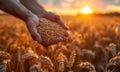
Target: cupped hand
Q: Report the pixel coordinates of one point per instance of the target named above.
(32, 23)
(53, 17)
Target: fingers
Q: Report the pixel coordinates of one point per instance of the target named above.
(33, 31)
(59, 21)
(36, 37)
(49, 16)
(56, 18)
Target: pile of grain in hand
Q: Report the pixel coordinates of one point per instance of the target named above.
(51, 32)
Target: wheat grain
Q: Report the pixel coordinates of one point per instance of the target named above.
(3, 67)
(31, 61)
(58, 51)
(36, 68)
(29, 56)
(71, 59)
(61, 66)
(4, 59)
(51, 32)
(87, 55)
(86, 66)
(29, 53)
(47, 60)
(61, 59)
(114, 64)
(45, 70)
(4, 56)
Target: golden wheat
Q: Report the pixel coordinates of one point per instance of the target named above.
(61, 60)
(85, 33)
(71, 59)
(4, 56)
(46, 62)
(36, 68)
(51, 32)
(58, 51)
(4, 59)
(86, 66)
(29, 54)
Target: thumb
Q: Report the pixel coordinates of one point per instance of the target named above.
(36, 37)
(60, 22)
(34, 33)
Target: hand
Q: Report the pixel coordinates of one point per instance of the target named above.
(32, 23)
(55, 18)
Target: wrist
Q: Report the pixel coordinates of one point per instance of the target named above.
(42, 13)
(32, 19)
(29, 16)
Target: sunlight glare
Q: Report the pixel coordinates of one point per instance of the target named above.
(86, 10)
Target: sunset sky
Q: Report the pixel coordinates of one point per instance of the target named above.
(74, 6)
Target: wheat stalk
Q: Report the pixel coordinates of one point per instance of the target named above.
(29, 54)
(30, 60)
(58, 51)
(86, 66)
(113, 64)
(3, 67)
(36, 68)
(71, 59)
(46, 61)
(4, 56)
(18, 54)
(4, 59)
(61, 67)
(86, 55)
(61, 59)
(46, 70)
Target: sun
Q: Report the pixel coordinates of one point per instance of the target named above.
(86, 10)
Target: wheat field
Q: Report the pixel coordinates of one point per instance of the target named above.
(92, 46)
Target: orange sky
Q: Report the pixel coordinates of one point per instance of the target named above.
(74, 6)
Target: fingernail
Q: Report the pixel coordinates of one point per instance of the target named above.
(66, 27)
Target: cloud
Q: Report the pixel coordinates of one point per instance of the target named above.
(113, 8)
(76, 5)
(117, 1)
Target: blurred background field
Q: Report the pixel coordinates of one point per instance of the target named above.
(93, 42)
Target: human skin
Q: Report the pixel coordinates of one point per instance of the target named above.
(38, 9)
(16, 9)
(29, 11)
